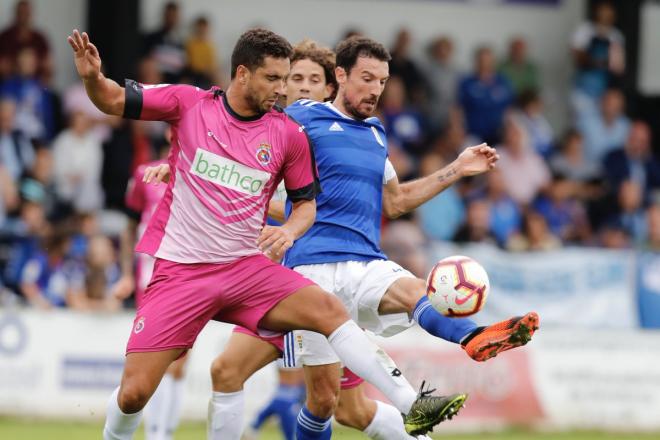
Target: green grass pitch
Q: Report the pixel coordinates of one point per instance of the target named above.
(26, 429)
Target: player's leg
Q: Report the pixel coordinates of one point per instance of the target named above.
(408, 294)
(288, 399)
(243, 356)
(178, 303)
(264, 414)
(143, 372)
(314, 418)
(285, 404)
(262, 294)
(176, 372)
(311, 308)
(378, 420)
(163, 412)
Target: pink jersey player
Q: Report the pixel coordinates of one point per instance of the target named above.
(142, 199)
(226, 168)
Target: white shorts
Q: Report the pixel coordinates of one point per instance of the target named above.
(360, 285)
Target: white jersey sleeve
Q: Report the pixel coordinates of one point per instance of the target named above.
(582, 36)
(389, 173)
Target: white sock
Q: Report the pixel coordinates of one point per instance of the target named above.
(362, 356)
(387, 424)
(155, 412)
(225, 418)
(119, 426)
(175, 404)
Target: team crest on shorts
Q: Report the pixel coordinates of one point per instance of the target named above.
(139, 326)
(263, 154)
(299, 339)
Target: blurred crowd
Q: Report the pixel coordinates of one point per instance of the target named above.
(65, 167)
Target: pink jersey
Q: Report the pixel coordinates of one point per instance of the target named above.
(225, 169)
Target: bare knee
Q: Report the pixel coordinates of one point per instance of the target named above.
(322, 389)
(226, 375)
(322, 402)
(402, 296)
(132, 398)
(355, 413)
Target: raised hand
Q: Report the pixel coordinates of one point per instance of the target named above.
(86, 55)
(124, 287)
(477, 160)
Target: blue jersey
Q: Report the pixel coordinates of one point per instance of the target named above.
(350, 156)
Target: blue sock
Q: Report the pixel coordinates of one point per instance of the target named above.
(437, 324)
(264, 414)
(311, 427)
(288, 418)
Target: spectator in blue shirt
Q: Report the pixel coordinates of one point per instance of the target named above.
(565, 216)
(531, 117)
(404, 124)
(607, 129)
(34, 109)
(485, 96)
(634, 162)
(441, 216)
(505, 215)
(16, 151)
(45, 280)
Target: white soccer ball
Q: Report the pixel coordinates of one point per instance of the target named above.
(457, 286)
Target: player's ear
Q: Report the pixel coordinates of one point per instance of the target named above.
(242, 74)
(341, 75)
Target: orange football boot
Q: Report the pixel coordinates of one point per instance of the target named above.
(505, 335)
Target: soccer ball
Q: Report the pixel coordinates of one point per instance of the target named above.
(457, 286)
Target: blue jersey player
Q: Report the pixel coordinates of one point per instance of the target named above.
(341, 250)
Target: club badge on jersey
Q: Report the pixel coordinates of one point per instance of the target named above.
(263, 154)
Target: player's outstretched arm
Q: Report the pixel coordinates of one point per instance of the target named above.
(398, 199)
(106, 94)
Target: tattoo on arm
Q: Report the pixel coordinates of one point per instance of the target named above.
(447, 175)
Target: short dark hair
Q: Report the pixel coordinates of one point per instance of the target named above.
(309, 50)
(255, 45)
(349, 50)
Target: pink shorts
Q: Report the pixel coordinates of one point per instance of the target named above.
(350, 380)
(276, 340)
(182, 298)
